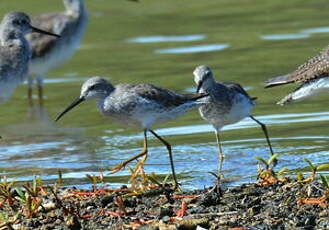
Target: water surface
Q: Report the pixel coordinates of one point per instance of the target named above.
(173, 38)
(84, 142)
(193, 49)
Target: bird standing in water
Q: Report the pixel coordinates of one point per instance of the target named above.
(227, 103)
(49, 52)
(140, 105)
(15, 51)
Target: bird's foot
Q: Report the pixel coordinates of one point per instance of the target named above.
(217, 187)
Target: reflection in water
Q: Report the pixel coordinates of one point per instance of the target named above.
(284, 36)
(193, 49)
(37, 113)
(182, 38)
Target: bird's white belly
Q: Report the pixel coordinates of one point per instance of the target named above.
(238, 111)
(172, 114)
(145, 113)
(311, 89)
(220, 116)
(55, 58)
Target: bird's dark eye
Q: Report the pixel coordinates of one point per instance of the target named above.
(92, 87)
(24, 22)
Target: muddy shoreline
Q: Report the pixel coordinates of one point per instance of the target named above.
(280, 205)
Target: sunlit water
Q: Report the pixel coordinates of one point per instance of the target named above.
(84, 142)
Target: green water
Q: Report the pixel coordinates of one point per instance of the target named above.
(85, 142)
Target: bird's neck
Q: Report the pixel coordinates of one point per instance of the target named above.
(77, 10)
(208, 84)
(12, 38)
(102, 97)
(100, 101)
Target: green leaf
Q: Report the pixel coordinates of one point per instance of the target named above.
(152, 179)
(17, 215)
(261, 160)
(166, 179)
(300, 177)
(39, 180)
(34, 184)
(310, 163)
(325, 180)
(20, 192)
(3, 217)
(92, 178)
(321, 167)
(273, 158)
(20, 199)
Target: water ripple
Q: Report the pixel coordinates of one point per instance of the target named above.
(181, 38)
(316, 30)
(284, 36)
(193, 49)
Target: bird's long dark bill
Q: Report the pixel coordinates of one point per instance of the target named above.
(74, 103)
(199, 86)
(44, 32)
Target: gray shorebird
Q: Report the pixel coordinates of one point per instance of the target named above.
(49, 52)
(15, 51)
(313, 76)
(140, 105)
(227, 103)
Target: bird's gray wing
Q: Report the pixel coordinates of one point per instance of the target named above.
(162, 96)
(237, 88)
(52, 22)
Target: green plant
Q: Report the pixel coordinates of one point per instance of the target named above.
(6, 221)
(314, 169)
(267, 175)
(153, 179)
(95, 180)
(29, 202)
(325, 181)
(269, 162)
(35, 187)
(5, 191)
(30, 196)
